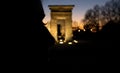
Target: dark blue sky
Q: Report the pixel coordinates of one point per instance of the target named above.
(81, 6)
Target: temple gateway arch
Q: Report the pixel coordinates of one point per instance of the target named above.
(61, 22)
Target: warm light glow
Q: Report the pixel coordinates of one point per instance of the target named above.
(83, 29)
(69, 43)
(75, 41)
(79, 30)
(44, 21)
(61, 42)
(60, 37)
(81, 25)
(93, 30)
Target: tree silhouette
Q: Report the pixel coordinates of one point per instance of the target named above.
(89, 19)
(100, 15)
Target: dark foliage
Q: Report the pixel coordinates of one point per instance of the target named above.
(111, 30)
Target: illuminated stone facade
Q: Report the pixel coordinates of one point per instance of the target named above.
(61, 22)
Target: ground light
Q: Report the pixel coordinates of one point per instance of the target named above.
(70, 43)
(75, 41)
(84, 30)
(61, 41)
(79, 30)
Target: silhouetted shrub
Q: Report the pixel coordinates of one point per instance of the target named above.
(110, 30)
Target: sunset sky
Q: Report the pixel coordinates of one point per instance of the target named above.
(81, 6)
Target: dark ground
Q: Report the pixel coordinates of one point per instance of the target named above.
(80, 53)
(84, 52)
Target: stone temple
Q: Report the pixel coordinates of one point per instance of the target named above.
(61, 22)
